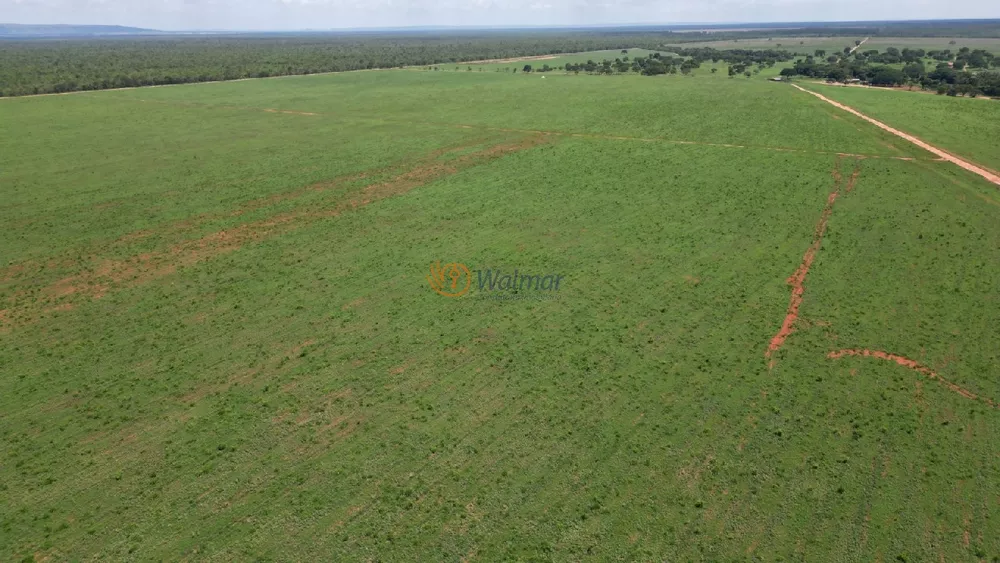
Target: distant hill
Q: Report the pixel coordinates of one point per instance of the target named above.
(14, 30)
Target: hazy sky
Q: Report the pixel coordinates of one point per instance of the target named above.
(328, 14)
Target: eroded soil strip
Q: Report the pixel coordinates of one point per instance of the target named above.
(797, 279)
(915, 366)
(975, 169)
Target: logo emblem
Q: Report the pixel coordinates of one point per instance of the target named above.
(450, 280)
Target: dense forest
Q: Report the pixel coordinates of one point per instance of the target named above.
(42, 66)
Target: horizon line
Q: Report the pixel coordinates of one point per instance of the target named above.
(506, 26)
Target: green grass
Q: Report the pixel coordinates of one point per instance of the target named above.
(253, 366)
(965, 126)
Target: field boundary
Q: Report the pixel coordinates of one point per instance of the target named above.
(974, 168)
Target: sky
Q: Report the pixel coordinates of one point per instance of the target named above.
(340, 14)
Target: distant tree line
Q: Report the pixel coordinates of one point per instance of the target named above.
(685, 61)
(963, 73)
(52, 66)
(55, 66)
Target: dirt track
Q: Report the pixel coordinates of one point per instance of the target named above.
(510, 60)
(989, 176)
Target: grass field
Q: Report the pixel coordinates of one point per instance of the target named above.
(965, 126)
(218, 340)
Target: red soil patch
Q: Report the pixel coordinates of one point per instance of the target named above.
(915, 366)
(797, 279)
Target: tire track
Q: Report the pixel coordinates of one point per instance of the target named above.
(99, 275)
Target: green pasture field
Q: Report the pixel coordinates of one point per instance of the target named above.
(218, 339)
(808, 45)
(554, 61)
(966, 126)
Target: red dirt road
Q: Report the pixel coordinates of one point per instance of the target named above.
(912, 364)
(986, 174)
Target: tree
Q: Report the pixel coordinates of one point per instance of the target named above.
(527, 68)
(888, 76)
(837, 74)
(714, 70)
(820, 53)
(914, 71)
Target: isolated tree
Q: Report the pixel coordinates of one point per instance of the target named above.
(527, 68)
(820, 53)
(714, 70)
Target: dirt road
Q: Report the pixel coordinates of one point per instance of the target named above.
(858, 46)
(989, 176)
